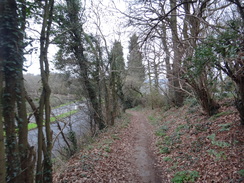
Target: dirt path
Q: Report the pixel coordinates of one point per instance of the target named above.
(142, 155)
(128, 159)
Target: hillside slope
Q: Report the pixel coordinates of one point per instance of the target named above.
(178, 145)
(195, 148)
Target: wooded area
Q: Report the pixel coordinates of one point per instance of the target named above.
(176, 50)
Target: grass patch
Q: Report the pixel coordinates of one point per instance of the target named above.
(125, 120)
(64, 115)
(107, 149)
(115, 137)
(197, 145)
(161, 131)
(53, 119)
(168, 159)
(200, 127)
(62, 105)
(174, 167)
(108, 141)
(137, 108)
(224, 113)
(241, 172)
(225, 127)
(172, 139)
(32, 126)
(185, 176)
(164, 150)
(182, 126)
(217, 155)
(217, 143)
(153, 119)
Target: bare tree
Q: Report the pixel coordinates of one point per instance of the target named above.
(181, 26)
(44, 168)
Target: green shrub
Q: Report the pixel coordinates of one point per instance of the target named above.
(166, 159)
(107, 149)
(218, 155)
(241, 172)
(168, 140)
(225, 127)
(161, 131)
(191, 101)
(164, 150)
(115, 137)
(181, 126)
(137, 108)
(217, 143)
(224, 113)
(164, 128)
(221, 143)
(185, 176)
(153, 119)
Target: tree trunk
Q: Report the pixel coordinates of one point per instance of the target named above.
(169, 72)
(39, 122)
(2, 149)
(107, 103)
(208, 104)
(239, 101)
(45, 145)
(26, 153)
(178, 96)
(114, 98)
(76, 30)
(150, 84)
(11, 57)
(199, 81)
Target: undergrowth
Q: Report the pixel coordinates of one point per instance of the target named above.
(185, 176)
(101, 144)
(187, 140)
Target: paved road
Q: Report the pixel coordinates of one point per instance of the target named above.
(60, 110)
(78, 122)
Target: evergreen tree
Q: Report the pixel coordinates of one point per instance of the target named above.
(117, 75)
(135, 74)
(136, 70)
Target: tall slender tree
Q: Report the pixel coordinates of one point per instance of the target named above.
(2, 149)
(19, 154)
(117, 75)
(135, 73)
(44, 162)
(71, 26)
(12, 55)
(136, 70)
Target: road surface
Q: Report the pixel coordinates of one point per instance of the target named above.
(78, 122)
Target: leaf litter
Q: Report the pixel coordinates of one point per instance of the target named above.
(177, 141)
